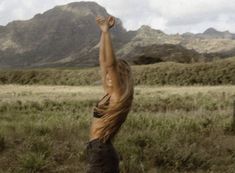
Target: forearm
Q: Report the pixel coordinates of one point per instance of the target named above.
(102, 58)
(110, 58)
(101, 50)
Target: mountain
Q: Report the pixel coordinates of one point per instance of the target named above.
(60, 35)
(147, 36)
(210, 41)
(163, 53)
(67, 35)
(212, 33)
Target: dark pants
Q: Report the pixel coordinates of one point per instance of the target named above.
(101, 157)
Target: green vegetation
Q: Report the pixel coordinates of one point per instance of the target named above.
(170, 129)
(170, 73)
(166, 73)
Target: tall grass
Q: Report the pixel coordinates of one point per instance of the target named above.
(170, 129)
(218, 72)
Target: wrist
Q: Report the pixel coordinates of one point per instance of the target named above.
(105, 31)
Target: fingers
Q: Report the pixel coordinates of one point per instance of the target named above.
(111, 21)
(110, 18)
(100, 18)
(100, 21)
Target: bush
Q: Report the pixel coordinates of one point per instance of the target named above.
(164, 73)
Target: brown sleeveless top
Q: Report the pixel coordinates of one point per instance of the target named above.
(96, 113)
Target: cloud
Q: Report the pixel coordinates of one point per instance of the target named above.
(174, 16)
(195, 16)
(24, 9)
(171, 16)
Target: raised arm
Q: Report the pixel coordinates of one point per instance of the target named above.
(102, 57)
(107, 58)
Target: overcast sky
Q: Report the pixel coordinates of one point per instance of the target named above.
(170, 16)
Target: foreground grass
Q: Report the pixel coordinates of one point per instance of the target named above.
(170, 129)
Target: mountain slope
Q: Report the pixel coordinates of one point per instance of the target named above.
(201, 43)
(61, 34)
(163, 53)
(67, 35)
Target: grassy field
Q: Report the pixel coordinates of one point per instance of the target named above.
(219, 72)
(44, 128)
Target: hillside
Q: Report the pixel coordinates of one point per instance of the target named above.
(60, 35)
(163, 53)
(67, 36)
(217, 72)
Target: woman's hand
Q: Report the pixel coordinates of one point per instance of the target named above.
(105, 24)
(102, 23)
(111, 21)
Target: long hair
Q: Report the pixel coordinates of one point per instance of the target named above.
(114, 116)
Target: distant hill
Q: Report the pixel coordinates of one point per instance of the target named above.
(67, 36)
(163, 53)
(218, 72)
(211, 33)
(60, 35)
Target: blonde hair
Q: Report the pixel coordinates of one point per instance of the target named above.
(114, 116)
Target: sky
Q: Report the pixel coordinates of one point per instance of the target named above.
(170, 16)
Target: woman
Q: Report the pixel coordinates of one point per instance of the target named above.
(111, 111)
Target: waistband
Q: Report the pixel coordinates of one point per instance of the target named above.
(98, 142)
